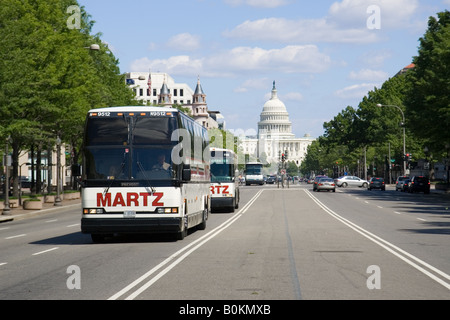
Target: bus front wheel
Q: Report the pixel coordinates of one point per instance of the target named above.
(183, 233)
(202, 226)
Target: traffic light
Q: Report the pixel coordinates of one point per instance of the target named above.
(283, 157)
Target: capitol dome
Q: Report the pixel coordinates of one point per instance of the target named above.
(274, 118)
(274, 104)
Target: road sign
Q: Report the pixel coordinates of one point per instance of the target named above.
(283, 171)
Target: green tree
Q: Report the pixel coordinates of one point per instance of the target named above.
(428, 101)
(48, 77)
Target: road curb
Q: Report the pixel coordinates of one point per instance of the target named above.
(25, 214)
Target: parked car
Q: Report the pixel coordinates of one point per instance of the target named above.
(24, 182)
(399, 184)
(326, 184)
(419, 184)
(351, 181)
(377, 183)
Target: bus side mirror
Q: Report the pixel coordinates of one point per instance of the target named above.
(76, 170)
(186, 175)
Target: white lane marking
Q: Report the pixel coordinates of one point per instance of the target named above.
(73, 225)
(16, 236)
(195, 244)
(403, 255)
(3, 263)
(421, 219)
(52, 220)
(44, 251)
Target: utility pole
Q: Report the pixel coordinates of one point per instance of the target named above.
(6, 209)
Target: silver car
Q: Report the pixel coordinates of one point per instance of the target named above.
(351, 181)
(326, 184)
(400, 183)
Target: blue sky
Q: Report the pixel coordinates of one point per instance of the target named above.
(323, 55)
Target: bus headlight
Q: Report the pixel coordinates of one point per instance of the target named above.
(167, 210)
(92, 211)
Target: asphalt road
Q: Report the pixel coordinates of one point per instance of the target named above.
(281, 244)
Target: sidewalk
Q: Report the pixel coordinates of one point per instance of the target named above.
(20, 213)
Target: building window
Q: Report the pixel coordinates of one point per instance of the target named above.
(141, 92)
(175, 92)
(154, 92)
(181, 92)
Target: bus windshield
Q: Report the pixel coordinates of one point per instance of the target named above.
(124, 164)
(129, 148)
(222, 166)
(125, 131)
(253, 169)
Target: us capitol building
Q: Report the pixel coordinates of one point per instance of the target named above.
(275, 135)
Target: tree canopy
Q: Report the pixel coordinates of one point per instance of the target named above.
(422, 94)
(428, 100)
(49, 78)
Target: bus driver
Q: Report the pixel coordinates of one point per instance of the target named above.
(161, 164)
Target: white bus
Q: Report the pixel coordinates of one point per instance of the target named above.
(144, 171)
(253, 173)
(224, 179)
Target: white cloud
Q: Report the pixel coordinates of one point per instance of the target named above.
(355, 91)
(184, 41)
(176, 65)
(290, 59)
(303, 31)
(393, 13)
(346, 22)
(258, 3)
(368, 74)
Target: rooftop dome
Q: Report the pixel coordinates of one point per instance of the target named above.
(274, 104)
(274, 118)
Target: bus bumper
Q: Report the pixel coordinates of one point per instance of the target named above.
(132, 225)
(222, 202)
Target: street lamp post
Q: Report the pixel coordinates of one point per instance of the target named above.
(58, 174)
(404, 133)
